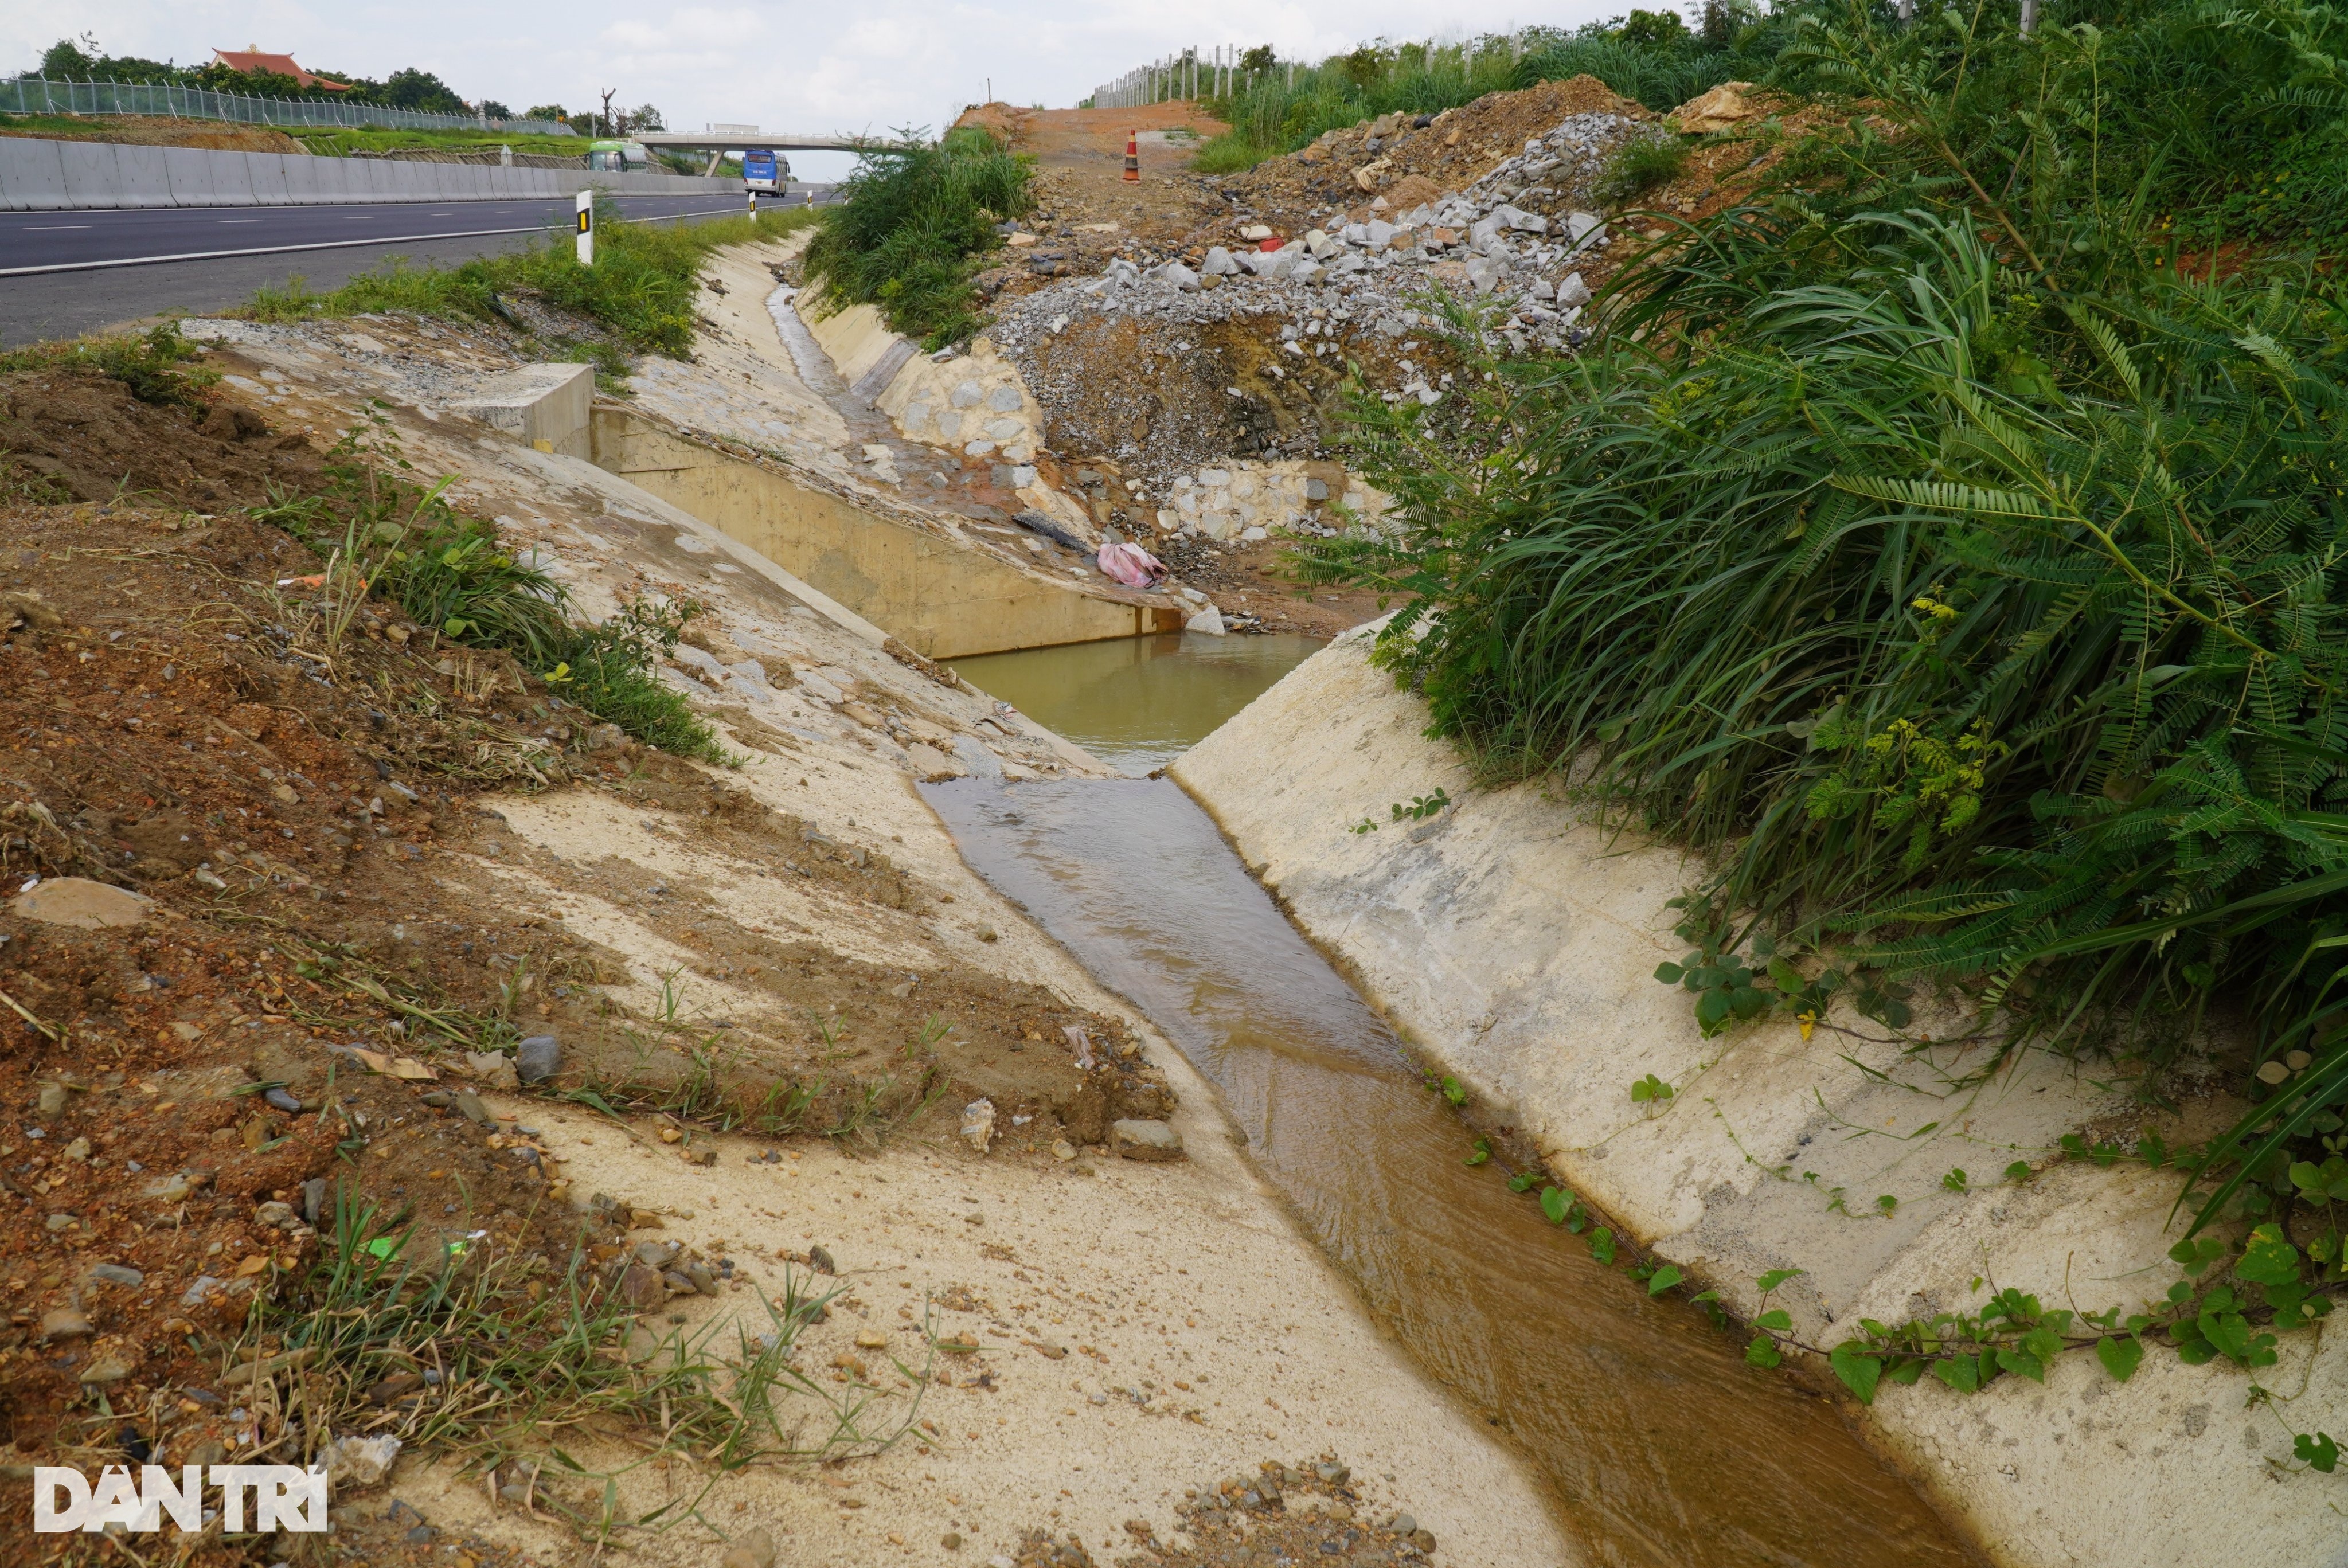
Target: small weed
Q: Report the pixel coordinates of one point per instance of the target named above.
(1649, 1090)
(1640, 165)
(1421, 807)
(1955, 1182)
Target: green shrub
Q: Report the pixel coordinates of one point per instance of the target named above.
(1916, 543)
(914, 226)
(1649, 57)
(1639, 165)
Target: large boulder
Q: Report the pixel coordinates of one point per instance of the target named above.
(1725, 107)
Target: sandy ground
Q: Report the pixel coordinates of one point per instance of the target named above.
(1143, 1330)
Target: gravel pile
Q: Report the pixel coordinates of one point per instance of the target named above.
(1166, 363)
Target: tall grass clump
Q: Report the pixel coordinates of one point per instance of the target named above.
(452, 575)
(159, 366)
(1952, 553)
(914, 224)
(640, 289)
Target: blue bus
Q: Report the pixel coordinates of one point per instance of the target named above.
(762, 170)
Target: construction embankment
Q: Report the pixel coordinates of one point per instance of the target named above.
(1512, 942)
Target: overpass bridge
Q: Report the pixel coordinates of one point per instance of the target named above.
(735, 141)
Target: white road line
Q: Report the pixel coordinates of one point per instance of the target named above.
(53, 229)
(325, 245)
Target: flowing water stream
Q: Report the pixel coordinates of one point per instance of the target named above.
(1657, 1444)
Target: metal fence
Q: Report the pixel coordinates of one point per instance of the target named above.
(31, 94)
(1193, 73)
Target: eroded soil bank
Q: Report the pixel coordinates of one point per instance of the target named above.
(350, 854)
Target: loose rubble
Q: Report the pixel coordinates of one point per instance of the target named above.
(1234, 344)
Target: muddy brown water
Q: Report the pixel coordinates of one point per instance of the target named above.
(1137, 703)
(1658, 1446)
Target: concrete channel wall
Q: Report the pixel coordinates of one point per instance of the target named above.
(43, 176)
(1514, 943)
(943, 599)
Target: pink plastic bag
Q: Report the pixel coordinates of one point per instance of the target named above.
(1132, 565)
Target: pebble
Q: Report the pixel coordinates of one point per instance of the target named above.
(537, 1059)
(77, 1149)
(282, 1101)
(53, 1099)
(642, 1288)
(117, 1273)
(470, 1105)
(1142, 1139)
(59, 1224)
(64, 1323)
(753, 1549)
(314, 1198)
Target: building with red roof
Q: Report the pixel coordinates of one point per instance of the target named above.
(250, 58)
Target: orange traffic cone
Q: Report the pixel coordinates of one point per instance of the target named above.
(1132, 156)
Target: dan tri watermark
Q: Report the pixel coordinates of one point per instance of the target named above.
(282, 1496)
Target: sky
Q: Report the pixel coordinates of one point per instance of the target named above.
(863, 66)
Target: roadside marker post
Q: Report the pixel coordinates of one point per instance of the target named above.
(586, 228)
(1132, 156)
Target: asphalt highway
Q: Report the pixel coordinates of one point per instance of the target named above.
(64, 274)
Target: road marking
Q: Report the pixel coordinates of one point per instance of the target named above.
(53, 228)
(239, 220)
(728, 210)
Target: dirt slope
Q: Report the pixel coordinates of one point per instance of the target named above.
(775, 989)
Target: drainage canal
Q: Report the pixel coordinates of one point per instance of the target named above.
(1657, 1444)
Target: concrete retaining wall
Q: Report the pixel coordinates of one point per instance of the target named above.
(1514, 943)
(942, 599)
(41, 176)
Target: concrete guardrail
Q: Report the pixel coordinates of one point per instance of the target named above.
(42, 176)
